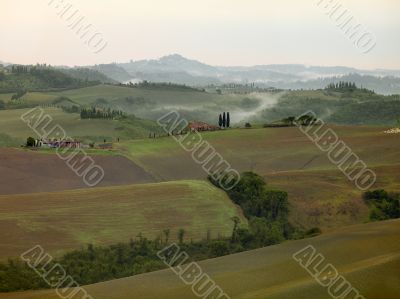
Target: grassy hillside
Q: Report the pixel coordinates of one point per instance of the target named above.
(96, 130)
(368, 256)
(319, 193)
(152, 101)
(355, 107)
(65, 220)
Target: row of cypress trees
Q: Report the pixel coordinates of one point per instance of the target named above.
(342, 85)
(93, 112)
(224, 120)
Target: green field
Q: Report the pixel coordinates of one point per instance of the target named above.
(67, 220)
(12, 126)
(367, 255)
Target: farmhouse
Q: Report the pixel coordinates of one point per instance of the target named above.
(198, 126)
(62, 143)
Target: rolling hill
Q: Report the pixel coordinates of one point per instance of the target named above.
(319, 193)
(70, 219)
(367, 255)
(151, 101)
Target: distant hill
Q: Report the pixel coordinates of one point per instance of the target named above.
(113, 71)
(383, 85)
(178, 69)
(20, 79)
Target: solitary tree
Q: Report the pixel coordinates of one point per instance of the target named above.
(228, 120)
(30, 142)
(181, 234)
(208, 235)
(236, 222)
(166, 233)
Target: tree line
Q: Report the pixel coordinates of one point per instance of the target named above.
(342, 86)
(267, 211)
(161, 85)
(96, 113)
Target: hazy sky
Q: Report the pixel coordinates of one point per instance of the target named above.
(218, 32)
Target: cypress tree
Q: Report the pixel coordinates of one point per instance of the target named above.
(228, 120)
(224, 120)
(220, 121)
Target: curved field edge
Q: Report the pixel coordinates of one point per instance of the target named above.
(367, 255)
(65, 220)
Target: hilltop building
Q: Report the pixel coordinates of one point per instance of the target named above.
(198, 126)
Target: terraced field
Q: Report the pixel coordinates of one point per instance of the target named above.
(66, 220)
(367, 255)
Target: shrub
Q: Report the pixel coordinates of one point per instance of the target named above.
(383, 205)
(30, 142)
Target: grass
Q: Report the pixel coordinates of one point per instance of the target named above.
(367, 255)
(66, 220)
(8, 141)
